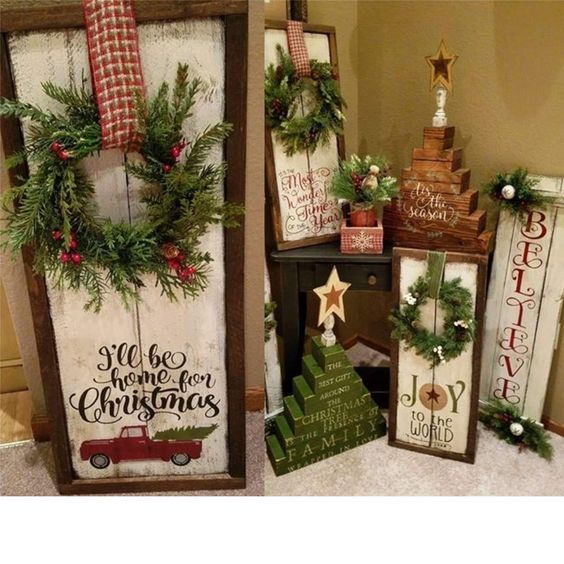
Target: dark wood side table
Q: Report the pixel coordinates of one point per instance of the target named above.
(302, 270)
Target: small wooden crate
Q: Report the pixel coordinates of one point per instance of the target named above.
(362, 240)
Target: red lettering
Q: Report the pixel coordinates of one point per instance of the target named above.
(507, 386)
(506, 361)
(513, 301)
(519, 279)
(531, 226)
(528, 249)
(515, 335)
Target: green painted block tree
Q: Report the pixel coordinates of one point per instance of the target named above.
(330, 411)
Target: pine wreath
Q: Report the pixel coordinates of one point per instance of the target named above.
(458, 327)
(54, 209)
(282, 95)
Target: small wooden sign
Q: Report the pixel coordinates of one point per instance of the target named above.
(303, 212)
(435, 411)
(435, 209)
(150, 398)
(524, 303)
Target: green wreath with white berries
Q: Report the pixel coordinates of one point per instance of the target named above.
(54, 209)
(458, 327)
(283, 89)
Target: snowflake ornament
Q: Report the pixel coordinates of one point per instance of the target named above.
(362, 241)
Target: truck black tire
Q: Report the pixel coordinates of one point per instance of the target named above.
(99, 461)
(180, 459)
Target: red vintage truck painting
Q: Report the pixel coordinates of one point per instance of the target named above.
(134, 443)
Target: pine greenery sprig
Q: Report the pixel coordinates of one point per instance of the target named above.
(286, 93)
(269, 321)
(366, 181)
(499, 418)
(458, 326)
(525, 198)
(55, 212)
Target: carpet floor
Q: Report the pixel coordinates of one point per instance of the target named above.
(378, 469)
(28, 468)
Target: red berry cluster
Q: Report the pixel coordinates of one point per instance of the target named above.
(313, 134)
(60, 151)
(175, 153)
(175, 259)
(70, 255)
(357, 180)
(278, 109)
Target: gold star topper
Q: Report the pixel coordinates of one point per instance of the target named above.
(441, 67)
(331, 296)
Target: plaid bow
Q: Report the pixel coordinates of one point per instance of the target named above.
(297, 47)
(113, 49)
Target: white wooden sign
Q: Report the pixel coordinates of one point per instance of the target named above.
(161, 366)
(524, 303)
(303, 211)
(435, 410)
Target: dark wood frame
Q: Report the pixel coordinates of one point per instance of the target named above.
(50, 14)
(270, 169)
(479, 310)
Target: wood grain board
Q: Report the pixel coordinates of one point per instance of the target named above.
(203, 337)
(445, 427)
(434, 208)
(525, 298)
(303, 213)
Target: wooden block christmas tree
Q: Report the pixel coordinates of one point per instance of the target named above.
(435, 208)
(330, 410)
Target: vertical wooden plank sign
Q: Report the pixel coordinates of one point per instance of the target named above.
(150, 398)
(524, 304)
(303, 212)
(434, 410)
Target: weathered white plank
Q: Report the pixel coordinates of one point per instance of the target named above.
(444, 423)
(524, 303)
(303, 179)
(194, 330)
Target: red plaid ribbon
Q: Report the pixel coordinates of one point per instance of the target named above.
(115, 65)
(297, 47)
(362, 240)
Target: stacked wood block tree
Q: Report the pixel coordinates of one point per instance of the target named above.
(329, 411)
(435, 208)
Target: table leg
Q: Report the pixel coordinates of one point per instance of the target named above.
(290, 323)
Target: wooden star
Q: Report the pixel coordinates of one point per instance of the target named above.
(331, 296)
(441, 67)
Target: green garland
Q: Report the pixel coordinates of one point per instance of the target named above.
(364, 181)
(283, 90)
(506, 422)
(458, 326)
(54, 209)
(521, 189)
(269, 321)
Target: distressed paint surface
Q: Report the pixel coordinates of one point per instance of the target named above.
(452, 382)
(272, 371)
(303, 179)
(524, 303)
(194, 331)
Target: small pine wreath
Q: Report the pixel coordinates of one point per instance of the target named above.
(514, 191)
(506, 422)
(282, 94)
(458, 327)
(54, 209)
